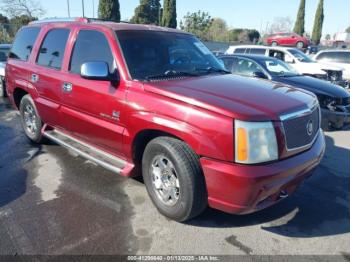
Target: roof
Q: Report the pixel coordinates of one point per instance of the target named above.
(281, 48)
(114, 26)
(253, 57)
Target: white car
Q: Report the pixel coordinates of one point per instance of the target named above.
(4, 51)
(297, 59)
(339, 58)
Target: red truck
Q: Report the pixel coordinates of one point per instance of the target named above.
(145, 99)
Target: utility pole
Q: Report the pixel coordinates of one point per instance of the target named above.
(93, 8)
(83, 7)
(68, 8)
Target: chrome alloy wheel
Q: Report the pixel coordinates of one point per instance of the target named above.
(165, 181)
(30, 119)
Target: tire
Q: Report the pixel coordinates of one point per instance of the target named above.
(183, 164)
(30, 117)
(300, 45)
(274, 43)
(2, 89)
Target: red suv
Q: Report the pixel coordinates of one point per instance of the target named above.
(145, 99)
(288, 39)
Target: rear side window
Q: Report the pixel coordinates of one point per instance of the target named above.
(337, 57)
(240, 51)
(91, 46)
(257, 51)
(24, 42)
(52, 49)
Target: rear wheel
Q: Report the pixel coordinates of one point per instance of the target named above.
(30, 119)
(174, 178)
(300, 45)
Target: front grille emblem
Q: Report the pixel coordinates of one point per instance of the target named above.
(310, 128)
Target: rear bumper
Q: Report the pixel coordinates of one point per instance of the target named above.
(243, 189)
(338, 119)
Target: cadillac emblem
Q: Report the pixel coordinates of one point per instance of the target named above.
(310, 128)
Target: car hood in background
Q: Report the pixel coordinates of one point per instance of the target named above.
(238, 97)
(314, 85)
(314, 68)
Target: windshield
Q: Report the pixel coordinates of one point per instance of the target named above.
(151, 54)
(4, 52)
(300, 56)
(278, 68)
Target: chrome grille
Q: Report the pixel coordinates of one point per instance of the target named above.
(301, 129)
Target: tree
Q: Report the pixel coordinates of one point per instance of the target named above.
(197, 23)
(328, 37)
(299, 26)
(109, 10)
(148, 12)
(244, 35)
(18, 21)
(218, 30)
(280, 24)
(318, 24)
(17, 8)
(169, 14)
(347, 30)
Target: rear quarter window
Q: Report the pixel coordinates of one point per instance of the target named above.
(240, 51)
(24, 42)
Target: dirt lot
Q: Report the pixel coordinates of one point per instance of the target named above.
(54, 202)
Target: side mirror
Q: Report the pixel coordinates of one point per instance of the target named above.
(259, 74)
(98, 71)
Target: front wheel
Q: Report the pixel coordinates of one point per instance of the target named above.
(174, 178)
(30, 119)
(274, 43)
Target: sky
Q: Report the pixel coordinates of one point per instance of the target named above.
(255, 14)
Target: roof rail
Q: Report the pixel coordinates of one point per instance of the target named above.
(53, 20)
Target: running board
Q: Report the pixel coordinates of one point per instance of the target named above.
(89, 152)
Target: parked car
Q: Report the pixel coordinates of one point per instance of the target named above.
(159, 101)
(297, 59)
(288, 39)
(334, 100)
(339, 58)
(4, 51)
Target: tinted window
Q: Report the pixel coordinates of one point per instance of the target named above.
(52, 49)
(240, 51)
(246, 67)
(24, 42)
(4, 54)
(257, 51)
(337, 57)
(91, 46)
(149, 54)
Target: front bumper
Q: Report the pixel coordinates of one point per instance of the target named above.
(243, 189)
(337, 119)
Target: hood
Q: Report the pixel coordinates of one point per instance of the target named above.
(315, 68)
(235, 96)
(314, 85)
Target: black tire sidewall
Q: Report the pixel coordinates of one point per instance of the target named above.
(37, 137)
(2, 89)
(181, 210)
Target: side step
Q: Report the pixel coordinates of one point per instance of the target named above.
(89, 152)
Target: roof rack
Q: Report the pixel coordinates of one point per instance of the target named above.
(75, 19)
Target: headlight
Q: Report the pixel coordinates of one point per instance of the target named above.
(327, 102)
(255, 142)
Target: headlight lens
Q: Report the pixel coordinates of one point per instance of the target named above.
(255, 142)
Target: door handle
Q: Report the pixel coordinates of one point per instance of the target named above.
(35, 78)
(67, 87)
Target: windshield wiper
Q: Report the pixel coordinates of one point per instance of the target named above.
(210, 70)
(170, 73)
